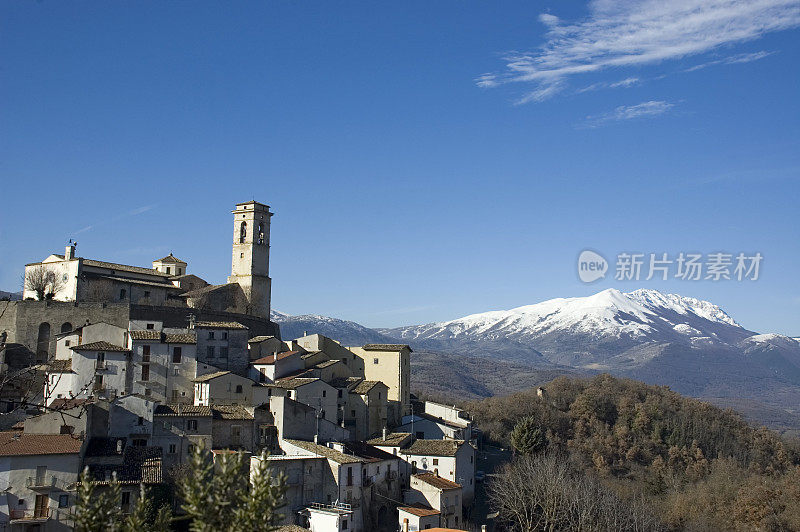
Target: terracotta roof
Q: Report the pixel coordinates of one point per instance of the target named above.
(171, 259)
(208, 377)
(385, 347)
(292, 383)
(230, 412)
(147, 334)
(22, 444)
(436, 481)
(393, 439)
(434, 447)
(58, 365)
(270, 359)
(122, 267)
(327, 452)
(219, 325)
(364, 387)
(102, 345)
(419, 511)
(183, 338)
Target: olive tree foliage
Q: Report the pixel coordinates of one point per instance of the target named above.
(528, 437)
(541, 492)
(218, 495)
(99, 510)
(43, 282)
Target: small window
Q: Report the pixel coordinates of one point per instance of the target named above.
(176, 355)
(352, 413)
(210, 351)
(147, 293)
(324, 392)
(176, 371)
(191, 424)
(169, 269)
(238, 388)
(63, 501)
(146, 372)
(122, 294)
(145, 353)
(151, 326)
(224, 335)
(140, 421)
(374, 360)
(339, 394)
(126, 499)
(172, 448)
(435, 461)
(223, 352)
(180, 271)
(344, 524)
(66, 343)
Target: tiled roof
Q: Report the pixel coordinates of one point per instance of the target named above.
(165, 283)
(122, 267)
(216, 411)
(219, 325)
(102, 345)
(364, 387)
(208, 377)
(184, 338)
(58, 365)
(419, 511)
(327, 363)
(140, 465)
(256, 339)
(434, 447)
(178, 410)
(291, 384)
(367, 451)
(327, 452)
(66, 403)
(270, 359)
(436, 481)
(22, 444)
(392, 440)
(385, 347)
(148, 334)
(171, 259)
(345, 382)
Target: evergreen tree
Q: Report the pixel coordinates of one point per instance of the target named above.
(97, 511)
(528, 437)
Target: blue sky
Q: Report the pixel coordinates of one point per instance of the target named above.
(425, 160)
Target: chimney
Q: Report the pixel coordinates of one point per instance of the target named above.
(305, 333)
(69, 254)
(405, 524)
(119, 446)
(384, 433)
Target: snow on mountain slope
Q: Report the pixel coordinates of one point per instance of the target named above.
(581, 330)
(349, 333)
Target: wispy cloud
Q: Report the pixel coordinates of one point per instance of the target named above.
(630, 33)
(629, 112)
(623, 83)
(133, 212)
(732, 60)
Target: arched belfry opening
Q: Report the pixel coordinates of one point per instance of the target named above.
(242, 232)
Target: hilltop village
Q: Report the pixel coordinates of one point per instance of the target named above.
(127, 370)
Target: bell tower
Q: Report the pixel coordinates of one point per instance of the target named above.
(250, 266)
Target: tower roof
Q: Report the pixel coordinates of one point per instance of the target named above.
(172, 259)
(251, 206)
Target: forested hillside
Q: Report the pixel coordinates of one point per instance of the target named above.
(694, 466)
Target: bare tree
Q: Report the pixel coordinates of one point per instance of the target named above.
(43, 281)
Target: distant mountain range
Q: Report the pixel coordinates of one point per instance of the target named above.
(691, 345)
(13, 296)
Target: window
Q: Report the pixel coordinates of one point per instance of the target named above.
(140, 421)
(210, 351)
(379, 396)
(191, 424)
(224, 335)
(147, 293)
(179, 271)
(139, 442)
(145, 353)
(126, 500)
(172, 448)
(238, 388)
(435, 461)
(242, 232)
(169, 269)
(350, 475)
(146, 372)
(176, 355)
(63, 501)
(66, 343)
(352, 413)
(210, 335)
(374, 360)
(324, 393)
(471, 458)
(122, 294)
(151, 326)
(223, 352)
(413, 467)
(344, 524)
(260, 232)
(339, 394)
(66, 327)
(176, 371)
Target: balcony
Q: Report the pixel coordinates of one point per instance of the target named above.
(35, 515)
(44, 483)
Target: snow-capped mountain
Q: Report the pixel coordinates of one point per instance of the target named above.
(346, 332)
(585, 330)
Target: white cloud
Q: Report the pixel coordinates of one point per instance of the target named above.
(629, 33)
(623, 83)
(630, 112)
(732, 60)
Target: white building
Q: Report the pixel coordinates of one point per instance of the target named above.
(437, 493)
(418, 517)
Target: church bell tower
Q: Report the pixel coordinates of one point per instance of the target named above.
(250, 266)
